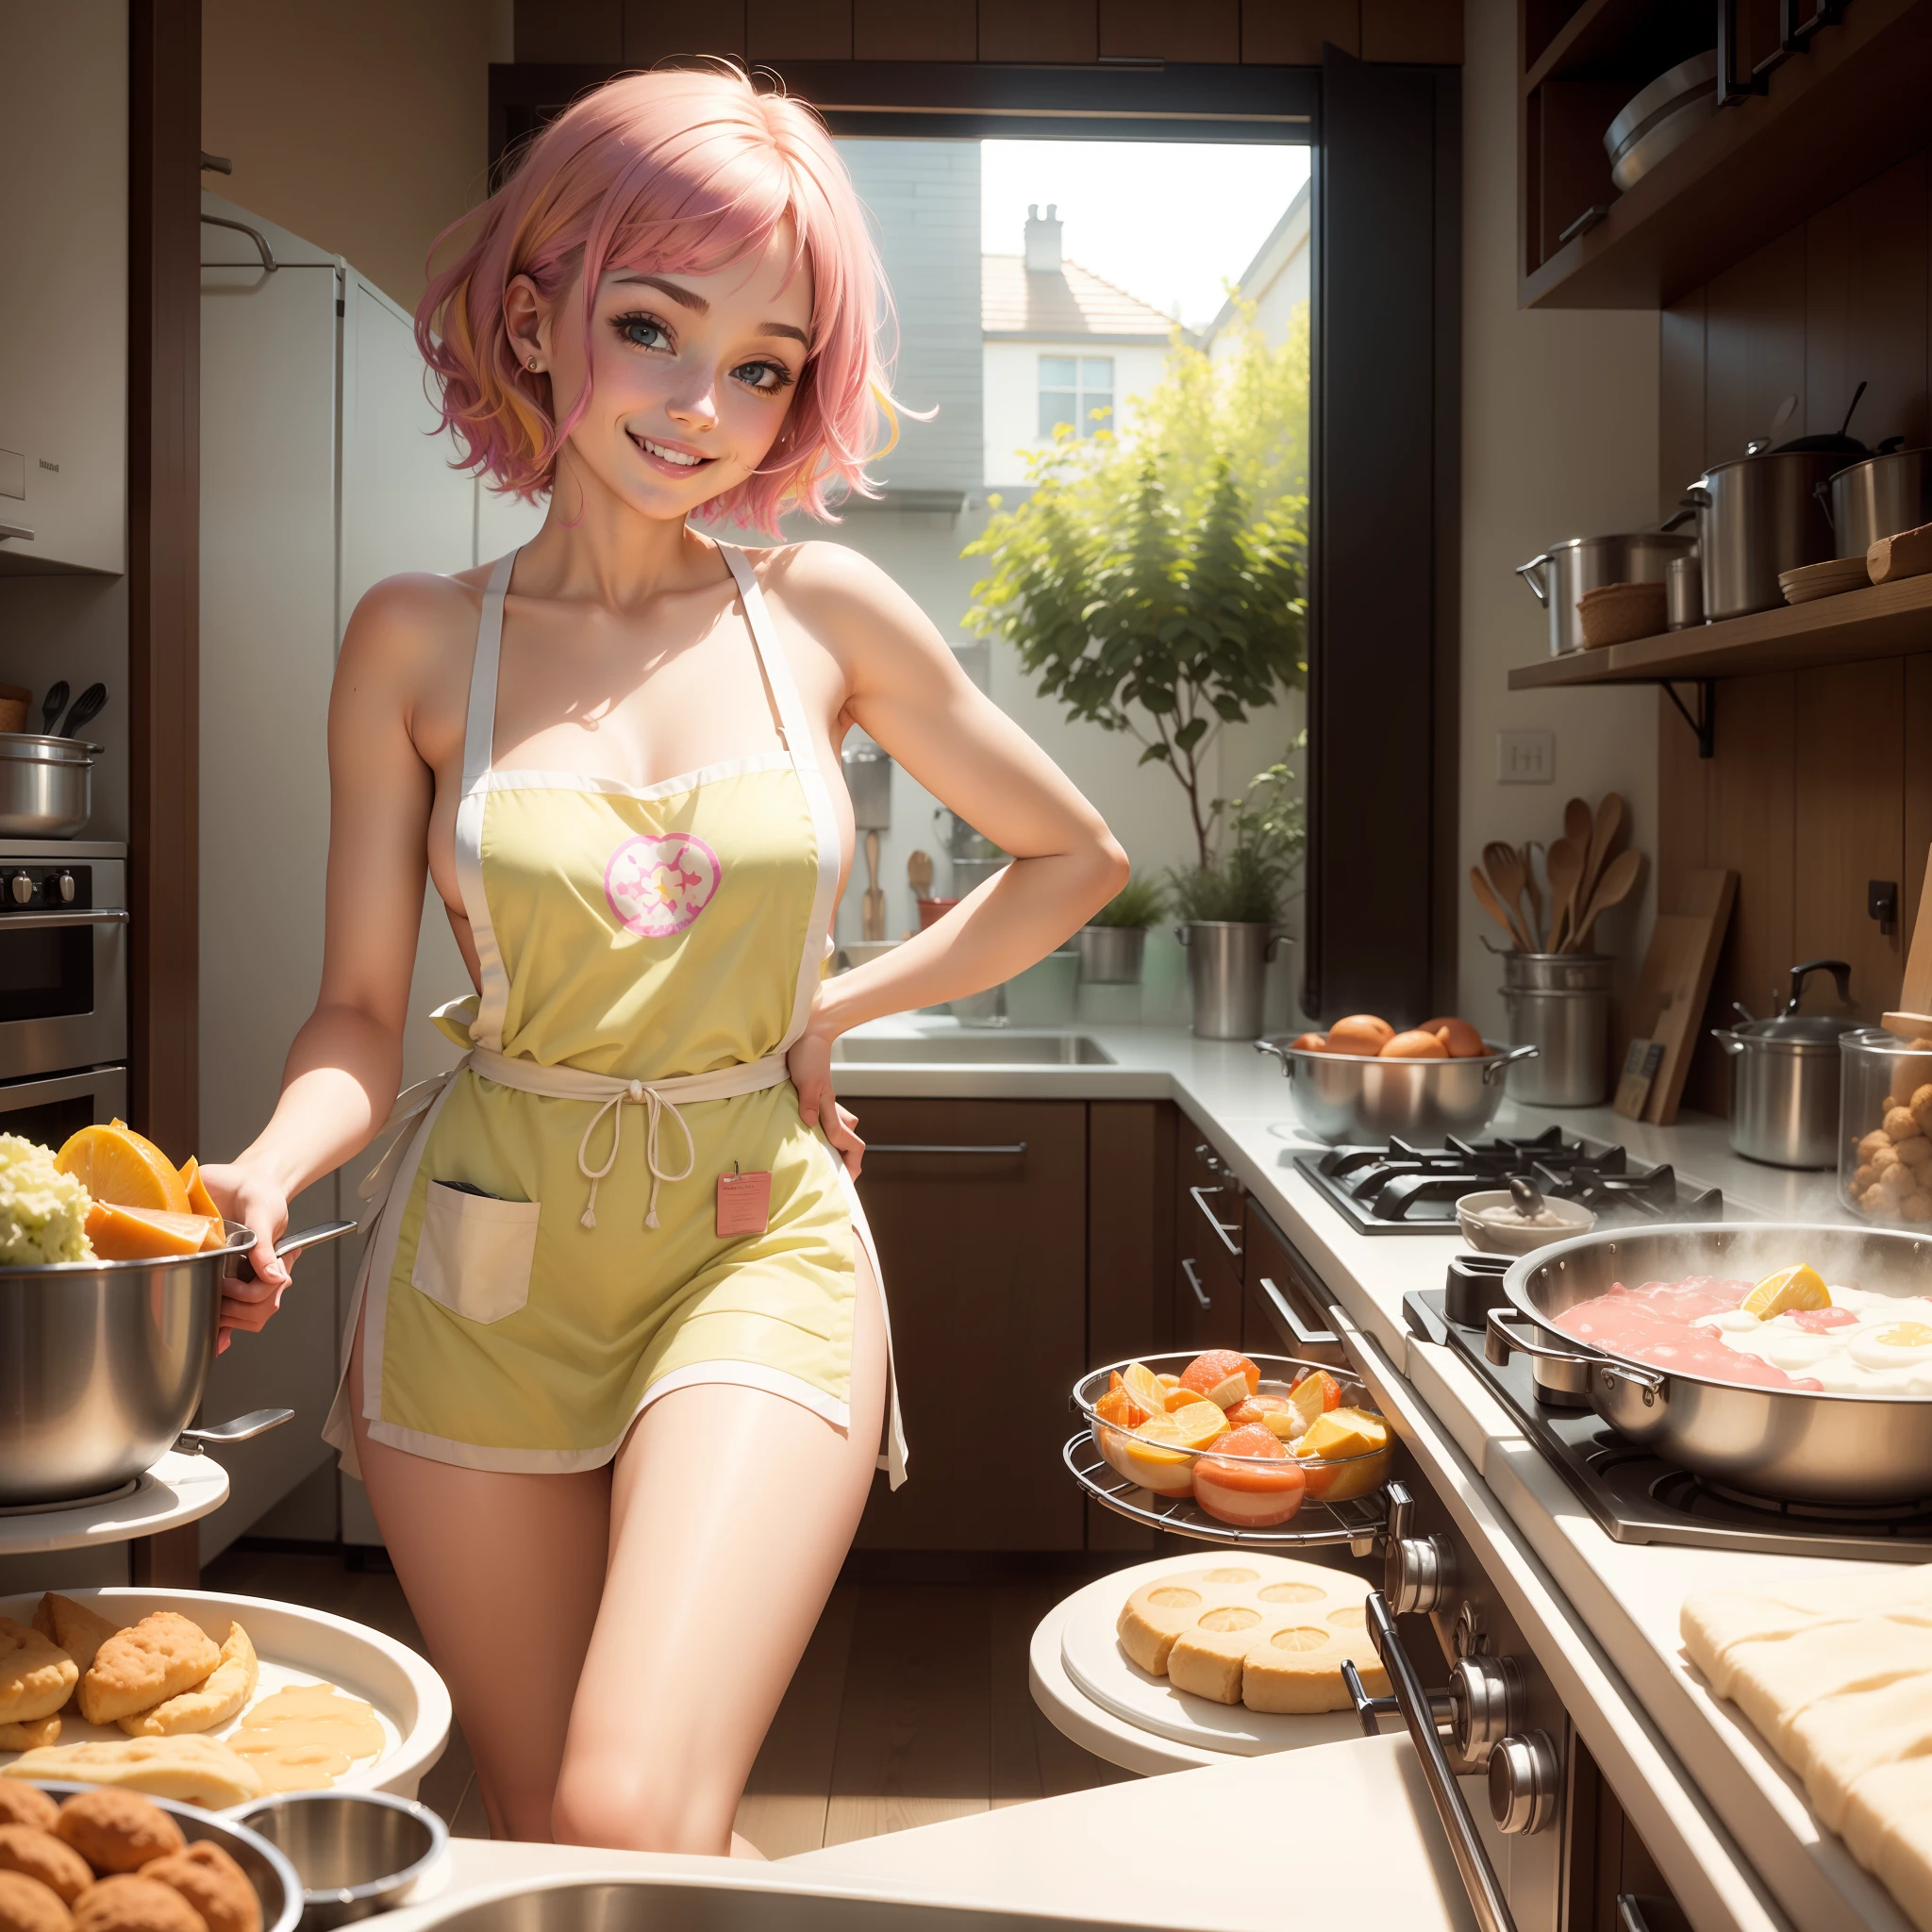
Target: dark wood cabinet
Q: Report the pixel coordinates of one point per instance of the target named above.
(1210, 1232)
(1284, 1308)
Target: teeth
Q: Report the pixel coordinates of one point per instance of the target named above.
(670, 456)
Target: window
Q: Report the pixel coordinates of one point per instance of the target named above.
(1077, 391)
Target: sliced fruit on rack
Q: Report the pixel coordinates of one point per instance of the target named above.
(1342, 1433)
(115, 1164)
(1200, 1424)
(148, 1234)
(1152, 1457)
(1784, 1293)
(1116, 1406)
(1143, 1390)
(1250, 1479)
(1222, 1376)
(1311, 1397)
(1275, 1412)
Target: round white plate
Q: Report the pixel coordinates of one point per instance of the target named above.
(178, 1488)
(1102, 1671)
(295, 1645)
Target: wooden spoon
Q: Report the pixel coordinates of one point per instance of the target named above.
(1564, 866)
(1486, 897)
(1603, 841)
(1577, 824)
(872, 909)
(1505, 866)
(1619, 876)
(919, 875)
(1536, 897)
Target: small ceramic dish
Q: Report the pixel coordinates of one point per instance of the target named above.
(1497, 1236)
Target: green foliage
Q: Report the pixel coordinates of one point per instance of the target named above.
(1155, 583)
(1267, 838)
(1140, 902)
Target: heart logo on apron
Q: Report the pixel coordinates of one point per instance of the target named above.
(658, 884)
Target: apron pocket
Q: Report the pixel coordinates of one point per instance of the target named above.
(475, 1253)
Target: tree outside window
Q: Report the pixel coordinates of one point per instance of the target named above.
(1076, 391)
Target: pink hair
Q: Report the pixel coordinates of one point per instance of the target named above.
(682, 173)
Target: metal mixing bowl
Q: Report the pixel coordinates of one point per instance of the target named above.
(356, 1853)
(1358, 1099)
(274, 1879)
(102, 1364)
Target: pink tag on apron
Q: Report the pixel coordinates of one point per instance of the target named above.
(744, 1204)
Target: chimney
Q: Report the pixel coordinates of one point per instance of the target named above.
(1043, 240)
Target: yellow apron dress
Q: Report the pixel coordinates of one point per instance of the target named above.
(538, 1271)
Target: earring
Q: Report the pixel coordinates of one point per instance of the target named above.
(533, 365)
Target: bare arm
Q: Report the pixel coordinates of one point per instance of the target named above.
(342, 1071)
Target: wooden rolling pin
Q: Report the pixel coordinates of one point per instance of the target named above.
(1908, 555)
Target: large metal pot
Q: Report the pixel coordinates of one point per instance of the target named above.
(1563, 572)
(1227, 974)
(46, 785)
(102, 1364)
(1560, 1004)
(1757, 516)
(1785, 1078)
(1879, 497)
(1795, 1445)
(1358, 1099)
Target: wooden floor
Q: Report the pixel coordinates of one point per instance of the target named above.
(911, 1704)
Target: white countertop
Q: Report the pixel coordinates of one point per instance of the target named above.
(1606, 1612)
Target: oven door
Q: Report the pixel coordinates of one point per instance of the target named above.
(49, 1111)
(63, 972)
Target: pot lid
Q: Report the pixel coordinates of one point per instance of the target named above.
(1793, 1029)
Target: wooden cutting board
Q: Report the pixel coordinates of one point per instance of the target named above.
(1914, 1018)
(1669, 1006)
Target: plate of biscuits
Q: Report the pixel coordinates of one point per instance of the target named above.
(211, 1700)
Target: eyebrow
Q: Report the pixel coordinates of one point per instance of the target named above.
(687, 298)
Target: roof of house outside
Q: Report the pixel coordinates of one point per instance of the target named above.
(1062, 303)
(1288, 235)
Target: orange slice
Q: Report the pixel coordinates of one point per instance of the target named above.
(1143, 1390)
(145, 1234)
(119, 1166)
(1200, 1424)
(199, 1200)
(1312, 1397)
(1153, 1458)
(1344, 1432)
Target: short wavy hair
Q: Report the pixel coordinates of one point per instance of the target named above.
(678, 172)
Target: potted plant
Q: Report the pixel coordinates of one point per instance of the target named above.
(1230, 905)
(1112, 941)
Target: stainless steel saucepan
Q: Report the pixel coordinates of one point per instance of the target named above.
(103, 1363)
(1360, 1099)
(1794, 1445)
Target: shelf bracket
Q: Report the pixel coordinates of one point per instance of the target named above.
(1703, 721)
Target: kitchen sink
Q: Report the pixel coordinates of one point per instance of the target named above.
(993, 1049)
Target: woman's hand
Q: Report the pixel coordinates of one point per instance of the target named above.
(810, 1064)
(246, 1194)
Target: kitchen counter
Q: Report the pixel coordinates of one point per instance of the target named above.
(1602, 1615)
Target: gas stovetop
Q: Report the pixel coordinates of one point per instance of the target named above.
(1635, 1497)
(1402, 1190)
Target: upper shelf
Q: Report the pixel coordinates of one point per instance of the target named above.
(1833, 117)
(1886, 620)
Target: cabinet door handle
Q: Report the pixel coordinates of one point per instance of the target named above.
(19, 530)
(1194, 1282)
(936, 1147)
(1304, 1335)
(1220, 1227)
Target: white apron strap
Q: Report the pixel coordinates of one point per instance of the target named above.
(479, 746)
(796, 730)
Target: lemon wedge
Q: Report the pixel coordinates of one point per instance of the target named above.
(1199, 1423)
(1342, 1433)
(1790, 1289)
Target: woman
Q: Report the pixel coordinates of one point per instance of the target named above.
(618, 1365)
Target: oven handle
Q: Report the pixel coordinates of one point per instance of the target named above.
(102, 916)
(1304, 1335)
(1418, 1710)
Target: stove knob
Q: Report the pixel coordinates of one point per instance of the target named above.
(1484, 1705)
(61, 889)
(1419, 1573)
(1524, 1776)
(21, 887)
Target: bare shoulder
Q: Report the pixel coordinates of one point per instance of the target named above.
(842, 599)
(411, 628)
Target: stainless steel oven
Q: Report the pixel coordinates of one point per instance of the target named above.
(48, 1109)
(63, 955)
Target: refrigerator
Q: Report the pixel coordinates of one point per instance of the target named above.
(321, 474)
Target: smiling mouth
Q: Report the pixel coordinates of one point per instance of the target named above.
(675, 458)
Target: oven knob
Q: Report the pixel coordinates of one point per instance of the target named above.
(1484, 1705)
(61, 889)
(1419, 1573)
(1523, 1777)
(21, 887)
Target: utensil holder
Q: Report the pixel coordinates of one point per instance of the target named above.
(1112, 954)
(1227, 974)
(1560, 1004)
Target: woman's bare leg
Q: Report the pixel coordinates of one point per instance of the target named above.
(504, 1574)
(731, 1512)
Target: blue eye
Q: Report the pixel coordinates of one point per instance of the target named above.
(642, 331)
(767, 378)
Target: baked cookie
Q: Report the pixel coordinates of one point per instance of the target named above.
(129, 1903)
(36, 1675)
(212, 1702)
(35, 1854)
(135, 1669)
(1159, 1612)
(193, 1770)
(27, 1905)
(1299, 1669)
(78, 1630)
(213, 1884)
(26, 1805)
(32, 1735)
(117, 1831)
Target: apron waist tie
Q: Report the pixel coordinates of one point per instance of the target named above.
(637, 1094)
